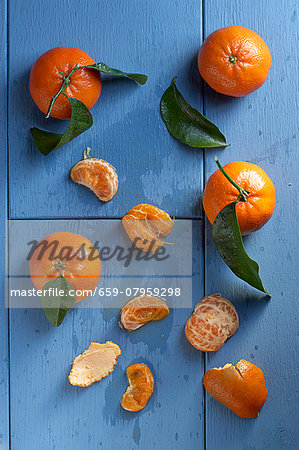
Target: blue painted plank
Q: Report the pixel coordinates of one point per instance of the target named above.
(133, 138)
(4, 353)
(262, 128)
(61, 416)
(144, 36)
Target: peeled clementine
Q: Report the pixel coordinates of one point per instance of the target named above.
(234, 61)
(97, 175)
(213, 321)
(146, 225)
(140, 389)
(242, 388)
(253, 213)
(79, 260)
(46, 79)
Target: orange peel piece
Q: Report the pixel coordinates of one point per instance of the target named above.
(242, 388)
(146, 225)
(140, 389)
(97, 175)
(97, 362)
(213, 321)
(141, 310)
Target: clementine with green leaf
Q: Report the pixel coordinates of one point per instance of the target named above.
(69, 255)
(249, 184)
(49, 72)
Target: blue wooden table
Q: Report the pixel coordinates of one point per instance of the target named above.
(39, 408)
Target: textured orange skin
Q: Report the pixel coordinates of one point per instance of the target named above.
(149, 223)
(141, 388)
(244, 394)
(251, 68)
(257, 210)
(45, 80)
(98, 175)
(83, 274)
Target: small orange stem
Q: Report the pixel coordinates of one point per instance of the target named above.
(243, 194)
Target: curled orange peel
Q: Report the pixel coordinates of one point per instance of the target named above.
(242, 388)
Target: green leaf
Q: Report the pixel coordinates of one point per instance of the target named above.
(80, 121)
(57, 300)
(186, 123)
(227, 237)
(101, 67)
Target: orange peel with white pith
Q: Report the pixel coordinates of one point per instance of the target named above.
(97, 362)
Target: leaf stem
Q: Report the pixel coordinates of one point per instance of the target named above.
(101, 67)
(243, 193)
(59, 266)
(66, 82)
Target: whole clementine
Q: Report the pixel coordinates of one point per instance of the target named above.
(254, 210)
(242, 388)
(79, 259)
(234, 61)
(46, 78)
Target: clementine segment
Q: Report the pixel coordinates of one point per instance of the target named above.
(46, 79)
(234, 61)
(97, 175)
(242, 388)
(142, 310)
(141, 387)
(213, 321)
(73, 251)
(146, 225)
(253, 213)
